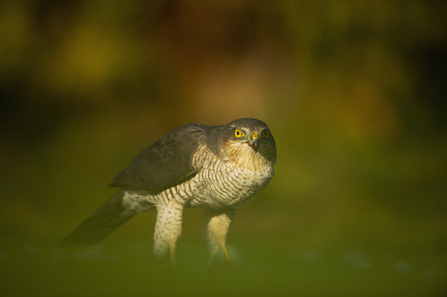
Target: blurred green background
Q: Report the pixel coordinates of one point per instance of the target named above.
(353, 91)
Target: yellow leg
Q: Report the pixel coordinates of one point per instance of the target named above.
(172, 249)
(225, 251)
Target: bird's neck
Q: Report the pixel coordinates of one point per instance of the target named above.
(242, 155)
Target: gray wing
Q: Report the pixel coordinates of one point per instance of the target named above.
(167, 161)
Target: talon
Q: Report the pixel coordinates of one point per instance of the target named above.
(226, 253)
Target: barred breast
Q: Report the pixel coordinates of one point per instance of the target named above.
(218, 184)
(227, 184)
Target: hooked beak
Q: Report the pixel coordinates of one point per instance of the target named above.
(254, 141)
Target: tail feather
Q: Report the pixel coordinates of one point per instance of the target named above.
(101, 223)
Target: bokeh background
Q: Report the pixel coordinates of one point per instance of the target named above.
(353, 91)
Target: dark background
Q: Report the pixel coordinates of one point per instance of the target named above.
(353, 91)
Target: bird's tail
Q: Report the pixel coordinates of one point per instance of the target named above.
(101, 223)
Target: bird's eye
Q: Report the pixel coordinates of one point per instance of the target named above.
(238, 133)
(266, 133)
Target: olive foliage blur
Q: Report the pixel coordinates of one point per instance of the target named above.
(354, 92)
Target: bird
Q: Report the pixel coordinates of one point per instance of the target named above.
(219, 168)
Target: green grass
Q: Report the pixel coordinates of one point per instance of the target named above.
(129, 269)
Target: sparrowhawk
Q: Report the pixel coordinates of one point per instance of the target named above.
(219, 168)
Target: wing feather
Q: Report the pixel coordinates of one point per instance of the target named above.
(166, 162)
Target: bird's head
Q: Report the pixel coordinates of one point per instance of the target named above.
(248, 140)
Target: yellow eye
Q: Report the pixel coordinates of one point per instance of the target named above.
(266, 133)
(238, 133)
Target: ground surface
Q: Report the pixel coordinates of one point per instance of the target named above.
(129, 269)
